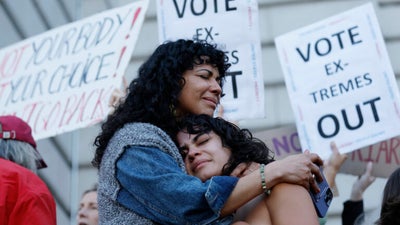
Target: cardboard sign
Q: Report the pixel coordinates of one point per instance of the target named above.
(208, 20)
(340, 82)
(62, 80)
(385, 155)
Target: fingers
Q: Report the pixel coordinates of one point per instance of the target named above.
(334, 147)
(314, 166)
(302, 169)
(368, 170)
(336, 159)
(314, 185)
(316, 172)
(367, 178)
(316, 159)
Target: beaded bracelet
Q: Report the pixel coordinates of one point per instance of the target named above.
(267, 191)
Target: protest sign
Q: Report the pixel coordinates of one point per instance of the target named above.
(61, 80)
(283, 140)
(209, 21)
(385, 155)
(340, 82)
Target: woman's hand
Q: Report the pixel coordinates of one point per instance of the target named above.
(362, 183)
(301, 169)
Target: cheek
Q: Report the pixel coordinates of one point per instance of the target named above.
(187, 167)
(225, 155)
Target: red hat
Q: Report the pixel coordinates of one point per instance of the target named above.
(12, 127)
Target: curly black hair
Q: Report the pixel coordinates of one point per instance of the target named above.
(153, 95)
(244, 147)
(390, 210)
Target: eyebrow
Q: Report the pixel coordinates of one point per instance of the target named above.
(192, 141)
(198, 136)
(204, 69)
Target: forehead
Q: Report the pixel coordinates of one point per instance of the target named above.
(184, 136)
(90, 197)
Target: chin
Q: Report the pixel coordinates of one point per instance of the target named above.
(207, 112)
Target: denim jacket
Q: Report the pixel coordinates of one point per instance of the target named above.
(142, 180)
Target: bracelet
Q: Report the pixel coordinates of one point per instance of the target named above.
(266, 190)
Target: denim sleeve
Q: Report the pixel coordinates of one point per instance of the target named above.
(155, 187)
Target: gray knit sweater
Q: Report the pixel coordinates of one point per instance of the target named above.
(110, 212)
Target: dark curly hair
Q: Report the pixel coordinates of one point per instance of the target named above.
(153, 95)
(390, 210)
(244, 147)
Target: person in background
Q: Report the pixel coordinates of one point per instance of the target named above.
(142, 176)
(214, 147)
(24, 197)
(390, 208)
(88, 213)
(353, 209)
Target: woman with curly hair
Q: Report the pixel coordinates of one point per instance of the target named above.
(142, 178)
(390, 210)
(215, 147)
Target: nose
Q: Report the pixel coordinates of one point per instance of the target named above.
(215, 87)
(192, 153)
(82, 213)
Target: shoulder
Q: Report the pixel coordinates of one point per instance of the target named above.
(27, 184)
(143, 134)
(9, 169)
(142, 131)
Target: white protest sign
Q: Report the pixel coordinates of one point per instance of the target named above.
(340, 82)
(62, 79)
(385, 155)
(233, 26)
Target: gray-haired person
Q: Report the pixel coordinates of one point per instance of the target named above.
(24, 197)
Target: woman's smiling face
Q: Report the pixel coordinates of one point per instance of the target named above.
(201, 92)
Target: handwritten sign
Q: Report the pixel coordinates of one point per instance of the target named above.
(62, 79)
(340, 82)
(208, 20)
(385, 155)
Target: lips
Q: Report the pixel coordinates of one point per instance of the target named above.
(212, 100)
(197, 164)
(83, 221)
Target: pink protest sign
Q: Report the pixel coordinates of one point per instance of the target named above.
(62, 79)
